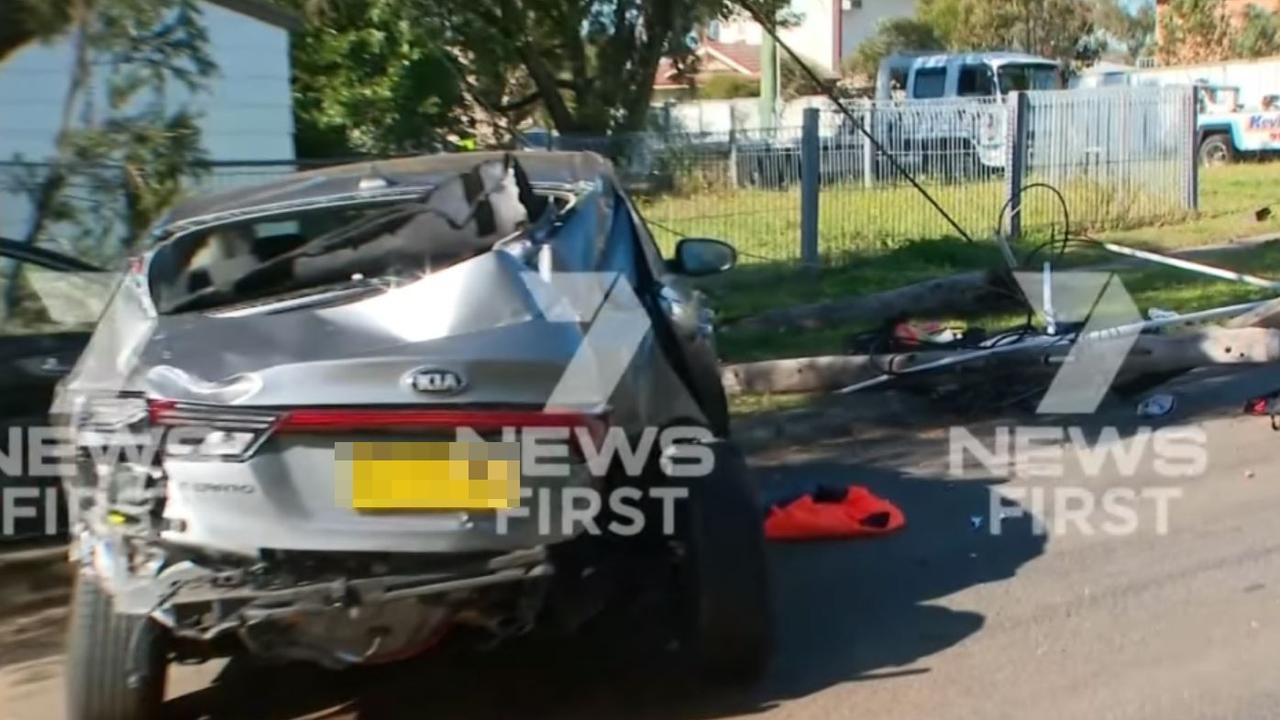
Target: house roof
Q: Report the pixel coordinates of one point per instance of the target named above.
(742, 57)
(714, 58)
(264, 11)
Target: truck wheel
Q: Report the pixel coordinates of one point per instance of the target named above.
(116, 664)
(724, 604)
(1216, 150)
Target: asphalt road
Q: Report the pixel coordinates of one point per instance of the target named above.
(944, 620)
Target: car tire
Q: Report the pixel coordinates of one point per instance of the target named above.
(100, 645)
(724, 603)
(1216, 150)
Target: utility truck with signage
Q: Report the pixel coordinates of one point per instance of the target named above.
(1229, 131)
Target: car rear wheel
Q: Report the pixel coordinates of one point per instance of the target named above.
(116, 663)
(724, 603)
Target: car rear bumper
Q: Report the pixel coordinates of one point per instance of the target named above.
(287, 497)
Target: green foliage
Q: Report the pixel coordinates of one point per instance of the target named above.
(1194, 31)
(795, 82)
(895, 35)
(725, 87)
(590, 63)
(373, 77)
(1064, 30)
(117, 167)
(1259, 35)
(22, 21)
(1133, 30)
(145, 157)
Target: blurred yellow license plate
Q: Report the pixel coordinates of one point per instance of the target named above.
(428, 475)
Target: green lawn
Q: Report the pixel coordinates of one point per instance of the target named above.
(876, 255)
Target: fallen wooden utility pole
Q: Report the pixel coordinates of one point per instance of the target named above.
(957, 294)
(975, 291)
(1151, 354)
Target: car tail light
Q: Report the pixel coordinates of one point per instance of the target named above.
(346, 420)
(210, 432)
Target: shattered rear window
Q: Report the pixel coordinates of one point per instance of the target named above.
(336, 247)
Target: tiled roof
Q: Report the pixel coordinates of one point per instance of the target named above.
(713, 58)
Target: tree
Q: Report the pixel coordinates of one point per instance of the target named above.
(795, 82)
(1064, 30)
(896, 35)
(124, 147)
(1059, 29)
(1133, 30)
(22, 21)
(728, 87)
(374, 77)
(1194, 31)
(590, 63)
(1259, 34)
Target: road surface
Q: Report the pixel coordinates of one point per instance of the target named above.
(945, 620)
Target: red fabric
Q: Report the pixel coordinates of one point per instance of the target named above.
(808, 519)
(1259, 405)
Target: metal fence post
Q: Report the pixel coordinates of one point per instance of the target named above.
(1192, 114)
(733, 149)
(1015, 164)
(809, 172)
(868, 149)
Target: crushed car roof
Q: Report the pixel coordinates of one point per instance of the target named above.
(425, 170)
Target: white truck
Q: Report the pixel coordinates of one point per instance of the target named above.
(937, 76)
(945, 114)
(1238, 102)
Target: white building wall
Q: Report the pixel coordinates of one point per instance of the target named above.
(813, 36)
(721, 116)
(247, 113)
(861, 23)
(1255, 78)
(738, 30)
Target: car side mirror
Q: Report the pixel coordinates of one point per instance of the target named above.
(698, 257)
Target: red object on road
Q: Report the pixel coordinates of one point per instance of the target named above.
(859, 514)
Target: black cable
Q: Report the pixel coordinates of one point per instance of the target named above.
(1062, 246)
(768, 26)
(1062, 202)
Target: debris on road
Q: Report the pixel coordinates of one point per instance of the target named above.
(1157, 405)
(831, 515)
(1265, 406)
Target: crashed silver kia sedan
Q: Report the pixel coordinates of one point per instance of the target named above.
(332, 418)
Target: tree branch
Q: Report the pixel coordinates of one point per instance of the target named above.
(539, 72)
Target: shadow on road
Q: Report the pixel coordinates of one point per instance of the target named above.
(848, 611)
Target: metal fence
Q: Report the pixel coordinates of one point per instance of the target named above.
(822, 193)
(1121, 156)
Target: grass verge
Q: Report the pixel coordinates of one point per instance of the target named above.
(1229, 199)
